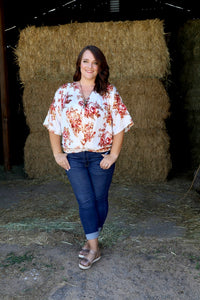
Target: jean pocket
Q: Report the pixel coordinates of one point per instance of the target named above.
(105, 153)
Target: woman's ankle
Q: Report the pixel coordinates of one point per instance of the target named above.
(93, 245)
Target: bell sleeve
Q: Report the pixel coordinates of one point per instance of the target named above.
(120, 116)
(53, 119)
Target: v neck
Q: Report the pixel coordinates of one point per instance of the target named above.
(81, 93)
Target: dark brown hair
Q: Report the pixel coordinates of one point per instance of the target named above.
(101, 81)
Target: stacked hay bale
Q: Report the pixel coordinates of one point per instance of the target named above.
(145, 154)
(138, 58)
(189, 48)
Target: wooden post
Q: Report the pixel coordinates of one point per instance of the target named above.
(4, 93)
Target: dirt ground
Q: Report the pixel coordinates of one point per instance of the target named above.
(150, 242)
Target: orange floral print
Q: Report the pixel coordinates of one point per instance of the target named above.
(87, 126)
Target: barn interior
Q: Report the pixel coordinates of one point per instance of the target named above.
(176, 14)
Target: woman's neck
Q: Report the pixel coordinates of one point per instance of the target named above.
(89, 83)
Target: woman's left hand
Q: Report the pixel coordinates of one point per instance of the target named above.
(108, 160)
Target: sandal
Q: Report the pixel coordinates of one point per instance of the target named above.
(87, 262)
(83, 252)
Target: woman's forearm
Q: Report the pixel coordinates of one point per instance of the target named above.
(60, 157)
(55, 141)
(117, 144)
(111, 158)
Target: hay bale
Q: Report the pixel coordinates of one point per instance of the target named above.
(189, 54)
(37, 98)
(189, 49)
(146, 100)
(192, 100)
(38, 158)
(138, 57)
(132, 48)
(193, 123)
(190, 76)
(189, 40)
(144, 157)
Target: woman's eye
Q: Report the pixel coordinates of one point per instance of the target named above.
(85, 61)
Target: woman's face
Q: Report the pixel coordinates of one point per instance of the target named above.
(89, 66)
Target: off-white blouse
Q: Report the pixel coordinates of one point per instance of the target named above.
(90, 126)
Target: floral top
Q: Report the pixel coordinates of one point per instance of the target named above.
(90, 126)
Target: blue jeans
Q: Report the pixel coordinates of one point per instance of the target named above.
(90, 184)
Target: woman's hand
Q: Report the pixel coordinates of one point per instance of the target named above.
(60, 157)
(62, 161)
(108, 160)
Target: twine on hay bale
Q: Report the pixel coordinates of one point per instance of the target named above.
(132, 48)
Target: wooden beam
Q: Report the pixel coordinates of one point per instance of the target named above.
(4, 93)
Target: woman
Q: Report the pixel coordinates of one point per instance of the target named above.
(91, 118)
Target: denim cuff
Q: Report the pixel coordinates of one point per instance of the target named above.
(93, 235)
